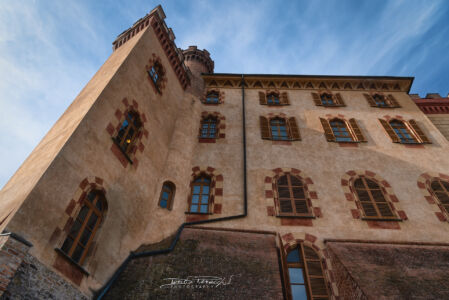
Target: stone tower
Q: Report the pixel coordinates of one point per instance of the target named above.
(199, 62)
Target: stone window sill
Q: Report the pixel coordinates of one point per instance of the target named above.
(74, 263)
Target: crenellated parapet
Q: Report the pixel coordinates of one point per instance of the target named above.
(166, 37)
(433, 103)
(194, 56)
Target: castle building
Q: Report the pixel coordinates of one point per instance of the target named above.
(240, 186)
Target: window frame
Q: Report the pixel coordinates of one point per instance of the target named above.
(156, 74)
(208, 120)
(200, 195)
(287, 136)
(276, 96)
(171, 194)
(407, 128)
(444, 207)
(343, 125)
(92, 209)
(290, 186)
(120, 139)
(208, 96)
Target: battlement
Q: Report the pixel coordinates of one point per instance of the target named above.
(202, 56)
(433, 103)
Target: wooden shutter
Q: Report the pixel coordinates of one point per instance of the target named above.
(262, 98)
(370, 100)
(390, 131)
(424, 139)
(264, 128)
(393, 101)
(284, 98)
(327, 130)
(285, 277)
(294, 130)
(339, 100)
(317, 99)
(358, 133)
(314, 273)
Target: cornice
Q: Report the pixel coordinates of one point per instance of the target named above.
(312, 82)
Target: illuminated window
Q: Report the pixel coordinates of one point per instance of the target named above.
(128, 132)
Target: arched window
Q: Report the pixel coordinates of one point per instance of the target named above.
(167, 195)
(305, 274)
(208, 128)
(279, 129)
(441, 190)
(380, 100)
(372, 199)
(128, 132)
(199, 202)
(402, 132)
(212, 98)
(291, 197)
(340, 131)
(273, 99)
(327, 99)
(85, 226)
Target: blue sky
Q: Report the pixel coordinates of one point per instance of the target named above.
(49, 49)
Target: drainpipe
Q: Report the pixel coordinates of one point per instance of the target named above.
(133, 255)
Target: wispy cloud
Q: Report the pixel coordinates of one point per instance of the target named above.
(50, 49)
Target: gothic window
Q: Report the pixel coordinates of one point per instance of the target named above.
(305, 274)
(405, 132)
(85, 226)
(372, 199)
(292, 200)
(128, 132)
(208, 128)
(167, 195)
(327, 99)
(279, 129)
(273, 99)
(402, 132)
(199, 202)
(212, 98)
(441, 191)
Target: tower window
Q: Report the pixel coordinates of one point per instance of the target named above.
(372, 199)
(212, 98)
(305, 274)
(208, 128)
(340, 131)
(167, 195)
(84, 227)
(199, 202)
(291, 196)
(128, 132)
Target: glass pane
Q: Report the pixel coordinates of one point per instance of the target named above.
(85, 237)
(75, 228)
(204, 208)
(293, 256)
(165, 195)
(195, 198)
(299, 292)
(91, 196)
(92, 220)
(204, 199)
(99, 205)
(196, 189)
(206, 180)
(296, 275)
(205, 189)
(77, 253)
(194, 208)
(67, 245)
(83, 212)
(163, 203)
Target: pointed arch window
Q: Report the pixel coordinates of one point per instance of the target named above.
(209, 128)
(167, 195)
(440, 189)
(212, 98)
(292, 199)
(305, 274)
(85, 226)
(200, 199)
(372, 199)
(128, 132)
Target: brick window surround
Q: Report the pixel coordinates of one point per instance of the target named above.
(424, 181)
(347, 183)
(114, 127)
(62, 263)
(215, 194)
(162, 81)
(413, 129)
(220, 126)
(291, 124)
(272, 198)
(221, 97)
(352, 126)
(290, 241)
